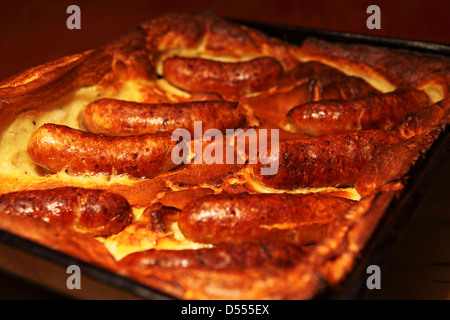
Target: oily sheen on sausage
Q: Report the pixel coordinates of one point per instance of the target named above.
(232, 78)
(89, 211)
(295, 218)
(58, 148)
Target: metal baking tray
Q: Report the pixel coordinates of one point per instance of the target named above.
(46, 269)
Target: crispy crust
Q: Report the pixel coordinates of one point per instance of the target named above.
(136, 56)
(59, 238)
(396, 67)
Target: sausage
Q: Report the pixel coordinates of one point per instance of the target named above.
(220, 257)
(240, 78)
(311, 81)
(94, 212)
(325, 161)
(383, 112)
(295, 218)
(57, 148)
(120, 118)
(326, 82)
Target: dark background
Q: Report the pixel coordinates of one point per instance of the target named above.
(34, 32)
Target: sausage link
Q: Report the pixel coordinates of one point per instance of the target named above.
(57, 148)
(325, 161)
(121, 118)
(220, 257)
(94, 212)
(383, 112)
(197, 74)
(311, 81)
(392, 165)
(299, 219)
(327, 82)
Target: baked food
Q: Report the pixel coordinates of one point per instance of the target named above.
(189, 233)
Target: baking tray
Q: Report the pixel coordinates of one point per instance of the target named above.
(47, 268)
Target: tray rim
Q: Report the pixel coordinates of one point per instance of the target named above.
(351, 37)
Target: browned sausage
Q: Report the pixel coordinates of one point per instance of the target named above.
(326, 82)
(57, 148)
(325, 161)
(311, 81)
(90, 211)
(383, 112)
(121, 118)
(295, 218)
(221, 257)
(196, 74)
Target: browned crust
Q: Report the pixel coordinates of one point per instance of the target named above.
(134, 56)
(426, 119)
(324, 266)
(122, 59)
(337, 255)
(397, 66)
(59, 238)
(217, 273)
(172, 31)
(194, 180)
(376, 175)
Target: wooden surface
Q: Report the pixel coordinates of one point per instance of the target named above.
(34, 32)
